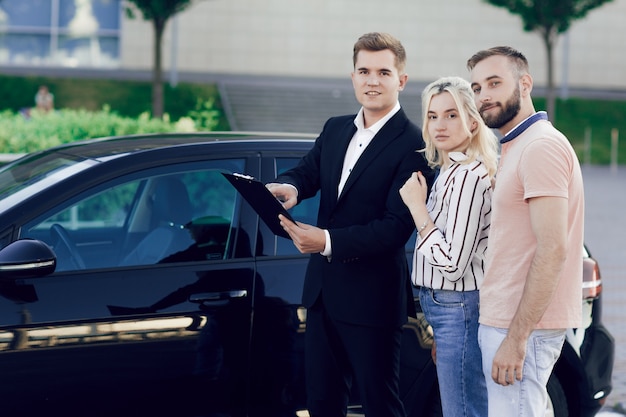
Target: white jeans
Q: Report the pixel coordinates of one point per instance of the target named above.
(528, 397)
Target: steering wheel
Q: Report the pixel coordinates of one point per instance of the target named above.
(62, 238)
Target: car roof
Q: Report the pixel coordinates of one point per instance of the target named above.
(108, 147)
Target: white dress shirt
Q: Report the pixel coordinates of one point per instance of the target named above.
(361, 139)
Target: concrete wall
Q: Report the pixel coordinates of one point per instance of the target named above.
(315, 38)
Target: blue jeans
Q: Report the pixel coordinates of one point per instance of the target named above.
(453, 316)
(528, 397)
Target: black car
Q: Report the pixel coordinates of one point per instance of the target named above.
(135, 281)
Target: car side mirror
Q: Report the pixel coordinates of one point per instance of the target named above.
(26, 258)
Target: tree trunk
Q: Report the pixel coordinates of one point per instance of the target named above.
(549, 40)
(157, 71)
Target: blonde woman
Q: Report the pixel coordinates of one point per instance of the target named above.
(453, 225)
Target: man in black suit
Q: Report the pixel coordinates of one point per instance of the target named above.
(356, 282)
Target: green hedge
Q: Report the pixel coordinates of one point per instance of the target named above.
(21, 133)
(592, 121)
(92, 108)
(126, 98)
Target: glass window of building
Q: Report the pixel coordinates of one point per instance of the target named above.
(66, 33)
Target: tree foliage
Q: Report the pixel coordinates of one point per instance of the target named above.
(550, 19)
(159, 12)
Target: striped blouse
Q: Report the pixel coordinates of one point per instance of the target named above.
(452, 255)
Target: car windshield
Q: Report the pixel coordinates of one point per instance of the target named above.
(32, 173)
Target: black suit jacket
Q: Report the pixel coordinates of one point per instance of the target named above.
(365, 280)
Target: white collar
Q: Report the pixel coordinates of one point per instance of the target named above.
(457, 156)
(359, 122)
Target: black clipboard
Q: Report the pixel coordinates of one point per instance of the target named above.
(261, 200)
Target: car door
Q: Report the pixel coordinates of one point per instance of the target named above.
(124, 326)
(278, 353)
(279, 322)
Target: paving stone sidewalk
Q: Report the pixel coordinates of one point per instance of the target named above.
(605, 235)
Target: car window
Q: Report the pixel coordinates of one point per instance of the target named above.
(410, 244)
(106, 209)
(156, 217)
(35, 169)
(305, 211)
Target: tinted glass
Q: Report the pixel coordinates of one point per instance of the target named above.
(305, 211)
(185, 215)
(28, 171)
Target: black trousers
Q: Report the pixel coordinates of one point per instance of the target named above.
(338, 354)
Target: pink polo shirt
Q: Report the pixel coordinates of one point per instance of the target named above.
(540, 162)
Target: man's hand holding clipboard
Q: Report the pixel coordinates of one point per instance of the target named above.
(285, 193)
(266, 201)
(307, 238)
(262, 201)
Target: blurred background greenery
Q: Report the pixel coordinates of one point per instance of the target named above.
(89, 108)
(126, 98)
(592, 126)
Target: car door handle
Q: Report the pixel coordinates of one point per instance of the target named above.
(207, 297)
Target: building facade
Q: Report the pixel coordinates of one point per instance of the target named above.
(303, 38)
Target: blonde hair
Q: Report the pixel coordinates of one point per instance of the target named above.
(483, 143)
